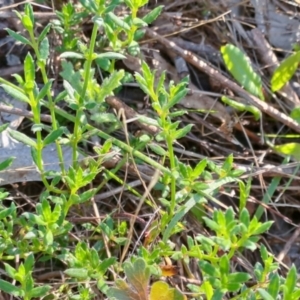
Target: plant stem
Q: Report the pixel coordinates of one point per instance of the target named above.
(51, 105)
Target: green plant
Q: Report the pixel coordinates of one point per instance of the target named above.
(45, 235)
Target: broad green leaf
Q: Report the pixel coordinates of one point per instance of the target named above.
(242, 107)
(161, 291)
(9, 288)
(53, 136)
(79, 273)
(21, 137)
(285, 71)
(6, 163)
(15, 92)
(18, 37)
(292, 149)
(153, 14)
(239, 66)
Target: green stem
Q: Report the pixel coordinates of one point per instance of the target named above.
(79, 112)
(51, 105)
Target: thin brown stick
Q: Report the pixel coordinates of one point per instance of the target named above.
(210, 71)
(23, 113)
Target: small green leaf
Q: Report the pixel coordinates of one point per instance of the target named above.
(292, 149)
(6, 163)
(224, 265)
(27, 23)
(242, 107)
(43, 92)
(9, 288)
(53, 136)
(111, 55)
(44, 49)
(139, 22)
(157, 149)
(295, 114)
(262, 228)
(29, 263)
(15, 93)
(285, 71)
(245, 217)
(29, 12)
(153, 14)
(44, 32)
(48, 238)
(18, 37)
(110, 84)
(78, 273)
(40, 291)
(208, 269)
(183, 131)
(290, 282)
(11, 272)
(4, 213)
(239, 66)
(118, 21)
(29, 70)
(86, 196)
(69, 54)
(274, 285)
(21, 137)
(265, 295)
(238, 277)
